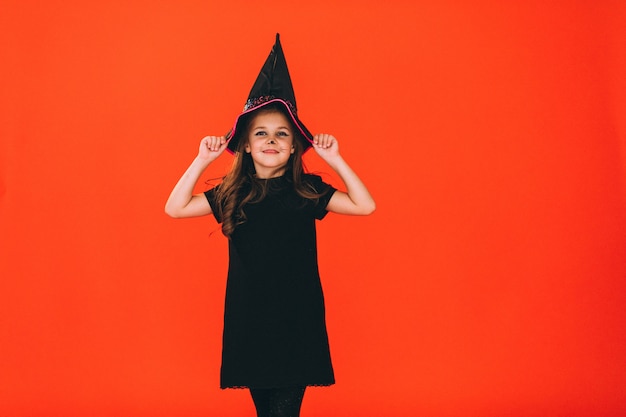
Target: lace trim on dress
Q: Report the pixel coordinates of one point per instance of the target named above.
(305, 385)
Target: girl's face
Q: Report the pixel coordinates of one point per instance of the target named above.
(270, 144)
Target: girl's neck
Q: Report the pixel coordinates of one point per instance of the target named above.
(266, 174)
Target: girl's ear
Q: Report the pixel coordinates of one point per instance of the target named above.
(248, 148)
(293, 149)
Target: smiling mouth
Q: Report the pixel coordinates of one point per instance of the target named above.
(270, 151)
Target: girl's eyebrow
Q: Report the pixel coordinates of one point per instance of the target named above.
(279, 127)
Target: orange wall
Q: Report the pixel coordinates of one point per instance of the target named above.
(490, 282)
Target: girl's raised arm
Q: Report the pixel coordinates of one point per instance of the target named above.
(357, 200)
(182, 203)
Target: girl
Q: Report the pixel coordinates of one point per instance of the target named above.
(275, 341)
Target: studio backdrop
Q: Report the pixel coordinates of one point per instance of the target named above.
(489, 282)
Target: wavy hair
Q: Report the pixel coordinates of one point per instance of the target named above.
(240, 186)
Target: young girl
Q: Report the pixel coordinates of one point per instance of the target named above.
(275, 341)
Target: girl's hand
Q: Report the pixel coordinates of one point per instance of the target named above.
(211, 147)
(326, 146)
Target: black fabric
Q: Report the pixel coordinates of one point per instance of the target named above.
(273, 79)
(278, 402)
(274, 320)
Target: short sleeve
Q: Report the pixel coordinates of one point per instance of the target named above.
(326, 192)
(210, 196)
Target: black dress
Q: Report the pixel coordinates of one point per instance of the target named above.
(274, 323)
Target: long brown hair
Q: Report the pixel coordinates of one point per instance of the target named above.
(240, 186)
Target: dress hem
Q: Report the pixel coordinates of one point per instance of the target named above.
(289, 385)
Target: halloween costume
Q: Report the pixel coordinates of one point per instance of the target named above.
(274, 324)
(274, 320)
(273, 85)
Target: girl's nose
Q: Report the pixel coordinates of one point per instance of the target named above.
(271, 140)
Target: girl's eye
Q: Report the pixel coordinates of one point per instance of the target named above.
(282, 134)
(260, 133)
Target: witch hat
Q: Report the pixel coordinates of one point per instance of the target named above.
(273, 85)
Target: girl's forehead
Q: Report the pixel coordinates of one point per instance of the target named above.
(271, 116)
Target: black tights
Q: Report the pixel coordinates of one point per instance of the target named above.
(278, 402)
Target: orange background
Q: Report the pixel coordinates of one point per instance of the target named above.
(490, 281)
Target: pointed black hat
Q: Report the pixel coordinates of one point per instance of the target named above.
(273, 85)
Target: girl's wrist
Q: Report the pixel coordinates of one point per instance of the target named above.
(199, 160)
(335, 160)
(200, 164)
